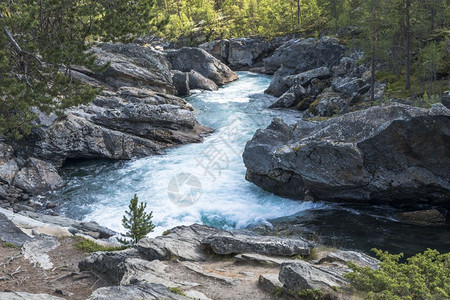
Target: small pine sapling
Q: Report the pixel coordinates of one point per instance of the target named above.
(137, 222)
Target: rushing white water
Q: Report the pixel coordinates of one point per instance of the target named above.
(209, 175)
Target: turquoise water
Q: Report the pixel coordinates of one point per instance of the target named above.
(196, 183)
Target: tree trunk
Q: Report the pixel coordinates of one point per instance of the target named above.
(372, 62)
(298, 12)
(408, 45)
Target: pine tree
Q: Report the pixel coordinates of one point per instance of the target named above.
(138, 223)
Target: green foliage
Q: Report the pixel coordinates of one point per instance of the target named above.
(90, 246)
(138, 223)
(423, 276)
(8, 245)
(41, 42)
(176, 290)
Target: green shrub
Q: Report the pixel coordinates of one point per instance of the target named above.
(91, 246)
(423, 276)
(177, 290)
(139, 223)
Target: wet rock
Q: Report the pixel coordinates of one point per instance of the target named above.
(393, 154)
(429, 217)
(38, 176)
(198, 81)
(147, 291)
(230, 243)
(136, 66)
(27, 296)
(181, 82)
(302, 276)
(183, 242)
(269, 282)
(10, 233)
(187, 59)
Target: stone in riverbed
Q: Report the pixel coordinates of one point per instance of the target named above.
(181, 82)
(429, 217)
(187, 59)
(200, 82)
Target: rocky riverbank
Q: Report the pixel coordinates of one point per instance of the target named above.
(138, 114)
(187, 262)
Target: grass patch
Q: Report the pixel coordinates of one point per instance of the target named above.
(89, 246)
(177, 290)
(9, 245)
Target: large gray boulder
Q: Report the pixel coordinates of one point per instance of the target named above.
(302, 275)
(230, 243)
(129, 123)
(187, 59)
(245, 52)
(8, 164)
(302, 55)
(38, 176)
(394, 154)
(183, 242)
(134, 65)
(298, 56)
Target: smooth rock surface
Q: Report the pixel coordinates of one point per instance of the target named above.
(27, 296)
(302, 276)
(10, 233)
(183, 242)
(231, 243)
(269, 282)
(200, 82)
(147, 291)
(134, 65)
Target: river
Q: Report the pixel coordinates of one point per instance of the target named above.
(205, 183)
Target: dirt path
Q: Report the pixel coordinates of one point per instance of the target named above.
(63, 280)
